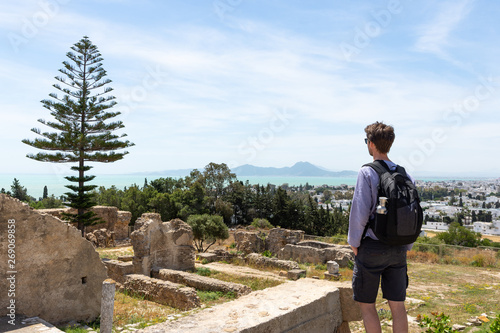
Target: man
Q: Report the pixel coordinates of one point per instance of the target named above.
(374, 259)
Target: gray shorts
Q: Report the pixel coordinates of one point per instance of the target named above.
(376, 260)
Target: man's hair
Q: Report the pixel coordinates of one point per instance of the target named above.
(381, 135)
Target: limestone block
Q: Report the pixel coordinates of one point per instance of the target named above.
(249, 241)
(200, 282)
(163, 292)
(296, 274)
(208, 256)
(278, 238)
(59, 274)
(118, 269)
(260, 260)
(302, 254)
(101, 238)
(305, 305)
(122, 223)
(107, 214)
(162, 244)
(339, 254)
(350, 308)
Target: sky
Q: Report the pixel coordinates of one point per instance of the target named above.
(267, 83)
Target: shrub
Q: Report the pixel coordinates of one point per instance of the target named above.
(440, 323)
(262, 224)
(203, 271)
(267, 253)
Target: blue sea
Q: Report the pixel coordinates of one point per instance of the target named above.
(55, 182)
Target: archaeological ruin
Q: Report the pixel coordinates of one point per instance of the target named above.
(54, 273)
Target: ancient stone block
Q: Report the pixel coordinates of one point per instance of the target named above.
(107, 214)
(163, 245)
(200, 282)
(207, 256)
(101, 238)
(296, 274)
(249, 241)
(118, 269)
(350, 308)
(301, 306)
(58, 274)
(340, 254)
(278, 238)
(163, 292)
(122, 223)
(260, 260)
(302, 254)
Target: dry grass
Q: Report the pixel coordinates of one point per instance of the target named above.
(114, 253)
(131, 309)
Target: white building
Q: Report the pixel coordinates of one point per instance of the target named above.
(487, 228)
(435, 226)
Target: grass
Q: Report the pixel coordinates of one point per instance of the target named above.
(131, 309)
(210, 298)
(114, 253)
(252, 282)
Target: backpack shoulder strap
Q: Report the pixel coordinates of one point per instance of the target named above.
(379, 166)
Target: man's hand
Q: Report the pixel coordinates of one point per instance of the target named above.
(355, 250)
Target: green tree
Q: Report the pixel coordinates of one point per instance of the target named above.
(458, 235)
(45, 192)
(18, 191)
(215, 178)
(83, 132)
(207, 229)
(327, 195)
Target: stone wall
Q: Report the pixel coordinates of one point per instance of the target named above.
(259, 260)
(114, 220)
(163, 292)
(59, 274)
(162, 244)
(278, 238)
(316, 254)
(122, 224)
(250, 241)
(200, 282)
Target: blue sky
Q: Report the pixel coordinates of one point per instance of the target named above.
(267, 83)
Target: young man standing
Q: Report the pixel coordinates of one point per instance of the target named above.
(375, 260)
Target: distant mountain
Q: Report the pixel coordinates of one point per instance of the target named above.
(299, 169)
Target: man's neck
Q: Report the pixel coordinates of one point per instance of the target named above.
(379, 156)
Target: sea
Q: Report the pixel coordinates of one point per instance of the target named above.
(35, 183)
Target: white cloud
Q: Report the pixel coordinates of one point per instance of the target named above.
(434, 37)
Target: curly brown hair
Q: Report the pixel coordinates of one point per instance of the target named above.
(381, 135)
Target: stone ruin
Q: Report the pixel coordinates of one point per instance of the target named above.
(162, 244)
(114, 228)
(290, 245)
(162, 252)
(315, 252)
(53, 272)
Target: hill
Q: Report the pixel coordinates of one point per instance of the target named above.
(299, 169)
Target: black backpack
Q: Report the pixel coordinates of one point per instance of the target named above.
(402, 223)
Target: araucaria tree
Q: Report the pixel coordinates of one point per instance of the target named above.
(83, 130)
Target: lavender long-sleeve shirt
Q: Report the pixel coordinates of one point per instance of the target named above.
(364, 204)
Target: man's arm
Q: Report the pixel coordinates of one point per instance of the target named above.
(360, 209)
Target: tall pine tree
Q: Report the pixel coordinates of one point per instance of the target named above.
(84, 133)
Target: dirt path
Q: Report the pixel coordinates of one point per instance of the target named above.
(243, 271)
